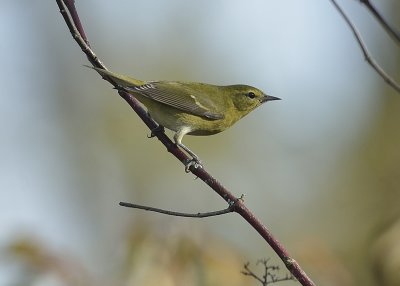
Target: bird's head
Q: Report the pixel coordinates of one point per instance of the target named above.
(247, 98)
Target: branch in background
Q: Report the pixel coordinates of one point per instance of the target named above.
(388, 28)
(270, 273)
(76, 30)
(365, 51)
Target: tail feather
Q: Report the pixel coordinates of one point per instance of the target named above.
(121, 80)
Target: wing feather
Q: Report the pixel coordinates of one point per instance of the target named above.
(181, 96)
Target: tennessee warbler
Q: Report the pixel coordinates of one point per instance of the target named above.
(192, 108)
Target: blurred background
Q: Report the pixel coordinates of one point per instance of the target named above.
(321, 168)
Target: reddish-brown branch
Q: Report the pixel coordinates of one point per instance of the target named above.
(201, 173)
(75, 19)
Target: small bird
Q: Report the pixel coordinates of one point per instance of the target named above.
(191, 108)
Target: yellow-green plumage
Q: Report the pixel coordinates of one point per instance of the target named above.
(192, 108)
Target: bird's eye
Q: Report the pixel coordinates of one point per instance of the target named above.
(251, 94)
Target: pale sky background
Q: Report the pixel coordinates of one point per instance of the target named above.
(71, 149)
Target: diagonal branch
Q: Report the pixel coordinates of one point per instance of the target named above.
(76, 29)
(75, 18)
(365, 51)
(238, 206)
(388, 28)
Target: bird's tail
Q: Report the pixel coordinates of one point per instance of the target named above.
(122, 80)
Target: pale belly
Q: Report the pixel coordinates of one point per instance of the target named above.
(174, 119)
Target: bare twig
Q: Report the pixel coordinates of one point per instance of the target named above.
(239, 206)
(388, 28)
(172, 213)
(365, 51)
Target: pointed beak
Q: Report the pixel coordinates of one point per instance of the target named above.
(269, 98)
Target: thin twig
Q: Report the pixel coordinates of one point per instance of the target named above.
(388, 28)
(365, 51)
(238, 207)
(172, 213)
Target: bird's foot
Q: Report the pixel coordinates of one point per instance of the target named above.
(154, 131)
(195, 162)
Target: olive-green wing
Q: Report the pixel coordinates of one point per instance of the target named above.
(194, 98)
(186, 97)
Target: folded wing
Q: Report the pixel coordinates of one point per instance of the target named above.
(180, 96)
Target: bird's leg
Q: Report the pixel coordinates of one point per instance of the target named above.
(195, 161)
(154, 131)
